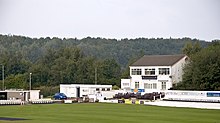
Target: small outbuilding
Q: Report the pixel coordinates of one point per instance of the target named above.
(80, 90)
(24, 95)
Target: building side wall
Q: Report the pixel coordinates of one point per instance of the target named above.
(15, 95)
(34, 94)
(177, 70)
(68, 91)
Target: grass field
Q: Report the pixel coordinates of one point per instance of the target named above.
(107, 113)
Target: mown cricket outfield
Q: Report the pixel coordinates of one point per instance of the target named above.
(106, 113)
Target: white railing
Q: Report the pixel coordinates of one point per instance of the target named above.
(203, 96)
(11, 102)
(41, 101)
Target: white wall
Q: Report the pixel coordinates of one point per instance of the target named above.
(110, 94)
(138, 78)
(190, 95)
(125, 83)
(87, 91)
(70, 90)
(34, 94)
(177, 70)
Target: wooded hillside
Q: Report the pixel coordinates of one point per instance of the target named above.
(53, 60)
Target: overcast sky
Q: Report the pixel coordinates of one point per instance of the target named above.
(111, 18)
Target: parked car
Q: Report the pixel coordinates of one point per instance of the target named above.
(59, 96)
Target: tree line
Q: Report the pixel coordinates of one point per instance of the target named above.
(53, 60)
(203, 71)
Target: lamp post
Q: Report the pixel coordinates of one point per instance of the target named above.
(3, 78)
(95, 75)
(30, 82)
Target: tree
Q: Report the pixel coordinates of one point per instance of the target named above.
(189, 49)
(126, 72)
(53, 60)
(109, 72)
(203, 72)
(18, 81)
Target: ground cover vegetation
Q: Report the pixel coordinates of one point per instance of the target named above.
(107, 113)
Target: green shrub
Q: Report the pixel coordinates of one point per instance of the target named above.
(115, 87)
(48, 91)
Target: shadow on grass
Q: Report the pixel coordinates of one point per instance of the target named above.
(11, 119)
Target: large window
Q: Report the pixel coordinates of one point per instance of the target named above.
(136, 71)
(150, 86)
(163, 85)
(137, 85)
(146, 86)
(164, 71)
(150, 71)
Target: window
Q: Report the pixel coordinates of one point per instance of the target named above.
(154, 85)
(150, 86)
(108, 89)
(150, 71)
(164, 71)
(163, 85)
(103, 89)
(136, 84)
(125, 84)
(135, 71)
(146, 86)
(85, 90)
(97, 89)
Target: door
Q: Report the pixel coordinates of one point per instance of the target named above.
(77, 91)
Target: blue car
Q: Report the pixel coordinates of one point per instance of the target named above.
(59, 96)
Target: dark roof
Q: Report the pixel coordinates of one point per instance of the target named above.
(158, 60)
